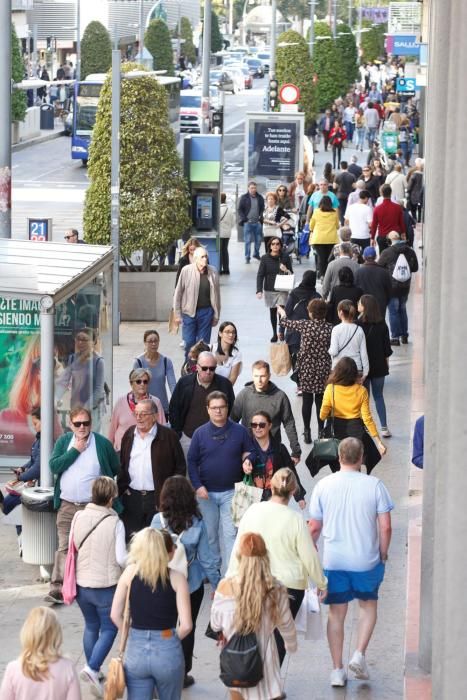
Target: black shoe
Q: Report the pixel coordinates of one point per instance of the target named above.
(274, 338)
(404, 339)
(307, 436)
(226, 272)
(257, 257)
(54, 597)
(247, 261)
(188, 680)
(395, 341)
(2, 498)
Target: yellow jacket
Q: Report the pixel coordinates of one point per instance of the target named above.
(323, 227)
(349, 402)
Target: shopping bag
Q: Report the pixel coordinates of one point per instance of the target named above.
(308, 620)
(284, 283)
(172, 326)
(245, 495)
(69, 577)
(281, 362)
(303, 243)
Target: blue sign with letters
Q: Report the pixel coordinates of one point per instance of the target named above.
(405, 85)
(39, 229)
(402, 45)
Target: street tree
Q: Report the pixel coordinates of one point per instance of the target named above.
(293, 65)
(18, 97)
(96, 49)
(216, 36)
(158, 42)
(327, 65)
(372, 41)
(153, 192)
(188, 47)
(346, 47)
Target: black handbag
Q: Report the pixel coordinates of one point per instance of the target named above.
(240, 662)
(326, 449)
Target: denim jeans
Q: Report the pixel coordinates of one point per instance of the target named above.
(360, 137)
(377, 386)
(398, 320)
(99, 630)
(252, 233)
(197, 328)
(371, 135)
(349, 128)
(216, 510)
(152, 659)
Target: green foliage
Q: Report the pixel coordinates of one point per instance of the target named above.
(216, 36)
(327, 65)
(96, 50)
(158, 43)
(372, 43)
(186, 32)
(153, 193)
(348, 54)
(293, 65)
(18, 97)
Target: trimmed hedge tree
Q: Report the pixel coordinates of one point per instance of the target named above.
(327, 65)
(188, 47)
(346, 47)
(372, 43)
(18, 97)
(293, 65)
(153, 192)
(96, 50)
(158, 42)
(216, 36)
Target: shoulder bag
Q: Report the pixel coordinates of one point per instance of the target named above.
(115, 684)
(344, 346)
(326, 449)
(179, 561)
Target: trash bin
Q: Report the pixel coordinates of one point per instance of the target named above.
(39, 528)
(47, 116)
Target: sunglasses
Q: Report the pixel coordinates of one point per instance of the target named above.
(141, 381)
(207, 369)
(67, 238)
(81, 423)
(255, 426)
(282, 189)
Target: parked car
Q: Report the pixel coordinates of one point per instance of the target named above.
(237, 75)
(191, 111)
(222, 80)
(255, 64)
(265, 57)
(248, 79)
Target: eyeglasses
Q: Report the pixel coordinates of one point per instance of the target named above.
(143, 414)
(151, 342)
(67, 238)
(82, 339)
(255, 426)
(141, 381)
(218, 408)
(207, 369)
(81, 423)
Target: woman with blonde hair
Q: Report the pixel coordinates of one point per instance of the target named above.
(158, 596)
(253, 601)
(292, 554)
(187, 255)
(41, 672)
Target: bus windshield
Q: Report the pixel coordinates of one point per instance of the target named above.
(87, 99)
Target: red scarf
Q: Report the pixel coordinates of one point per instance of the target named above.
(130, 397)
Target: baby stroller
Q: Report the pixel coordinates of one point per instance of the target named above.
(289, 237)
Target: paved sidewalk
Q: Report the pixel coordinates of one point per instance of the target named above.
(45, 135)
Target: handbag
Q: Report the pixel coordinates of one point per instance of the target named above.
(284, 283)
(15, 486)
(326, 449)
(172, 326)
(308, 620)
(115, 684)
(245, 495)
(179, 561)
(281, 362)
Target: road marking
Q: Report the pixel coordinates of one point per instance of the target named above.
(48, 194)
(234, 126)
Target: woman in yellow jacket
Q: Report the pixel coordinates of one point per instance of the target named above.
(324, 225)
(348, 400)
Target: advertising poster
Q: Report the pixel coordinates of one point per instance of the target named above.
(20, 363)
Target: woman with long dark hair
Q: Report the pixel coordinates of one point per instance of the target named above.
(346, 289)
(337, 137)
(274, 263)
(228, 356)
(379, 350)
(180, 516)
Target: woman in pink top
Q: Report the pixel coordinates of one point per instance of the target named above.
(123, 414)
(41, 672)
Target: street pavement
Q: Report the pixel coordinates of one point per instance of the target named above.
(306, 674)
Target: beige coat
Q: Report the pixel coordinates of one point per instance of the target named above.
(96, 563)
(187, 290)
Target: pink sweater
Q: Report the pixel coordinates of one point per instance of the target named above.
(123, 418)
(62, 683)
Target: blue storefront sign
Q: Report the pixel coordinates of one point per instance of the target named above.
(402, 45)
(406, 85)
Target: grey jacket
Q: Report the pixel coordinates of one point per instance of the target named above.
(187, 290)
(275, 402)
(331, 278)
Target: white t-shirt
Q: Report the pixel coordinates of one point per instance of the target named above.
(225, 369)
(360, 217)
(348, 504)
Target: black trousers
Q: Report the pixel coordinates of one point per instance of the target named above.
(308, 400)
(323, 251)
(361, 242)
(295, 600)
(188, 643)
(139, 510)
(224, 255)
(383, 243)
(336, 155)
(342, 207)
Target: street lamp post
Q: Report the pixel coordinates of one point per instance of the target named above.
(5, 119)
(115, 195)
(312, 26)
(206, 63)
(141, 30)
(272, 63)
(359, 26)
(78, 39)
(334, 18)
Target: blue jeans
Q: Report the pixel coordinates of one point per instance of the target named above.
(197, 328)
(360, 137)
(371, 135)
(398, 320)
(99, 630)
(349, 128)
(252, 232)
(377, 386)
(153, 660)
(215, 510)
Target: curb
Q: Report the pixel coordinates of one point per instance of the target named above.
(39, 139)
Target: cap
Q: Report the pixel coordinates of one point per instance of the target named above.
(369, 252)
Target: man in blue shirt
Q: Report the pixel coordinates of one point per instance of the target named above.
(418, 440)
(316, 197)
(215, 462)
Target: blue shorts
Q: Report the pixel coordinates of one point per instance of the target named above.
(344, 586)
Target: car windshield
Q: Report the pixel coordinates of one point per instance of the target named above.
(215, 75)
(253, 62)
(190, 100)
(264, 55)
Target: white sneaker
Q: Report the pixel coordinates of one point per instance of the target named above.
(338, 678)
(89, 676)
(385, 432)
(358, 666)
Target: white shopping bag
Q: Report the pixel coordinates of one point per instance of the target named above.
(308, 620)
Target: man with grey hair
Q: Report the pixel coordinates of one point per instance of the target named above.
(197, 300)
(345, 259)
(353, 512)
(354, 168)
(149, 454)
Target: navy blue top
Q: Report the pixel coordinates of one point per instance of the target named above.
(215, 455)
(152, 610)
(32, 468)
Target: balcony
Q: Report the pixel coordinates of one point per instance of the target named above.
(21, 5)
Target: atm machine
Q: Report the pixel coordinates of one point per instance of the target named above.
(203, 170)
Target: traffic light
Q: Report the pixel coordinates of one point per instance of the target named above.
(218, 119)
(273, 93)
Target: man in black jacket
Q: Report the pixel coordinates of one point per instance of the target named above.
(187, 408)
(250, 216)
(401, 273)
(373, 279)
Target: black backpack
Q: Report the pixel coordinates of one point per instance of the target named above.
(240, 662)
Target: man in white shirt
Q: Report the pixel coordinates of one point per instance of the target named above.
(352, 510)
(359, 217)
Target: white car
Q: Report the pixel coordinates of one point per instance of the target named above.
(237, 76)
(191, 111)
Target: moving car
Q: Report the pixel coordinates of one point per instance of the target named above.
(237, 76)
(222, 80)
(255, 66)
(191, 111)
(265, 58)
